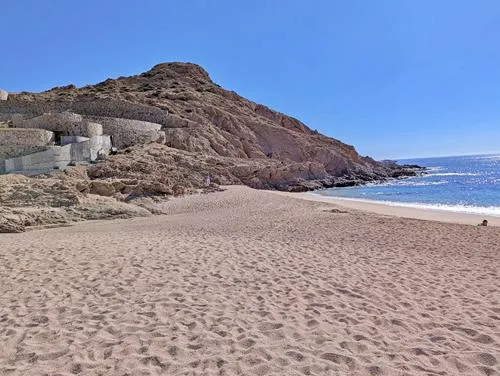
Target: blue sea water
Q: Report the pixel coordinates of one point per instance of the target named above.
(466, 184)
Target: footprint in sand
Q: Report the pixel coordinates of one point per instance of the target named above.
(339, 359)
(486, 359)
(247, 343)
(483, 338)
(312, 323)
(375, 371)
(265, 326)
(298, 357)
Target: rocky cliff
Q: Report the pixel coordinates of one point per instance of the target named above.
(261, 147)
(205, 130)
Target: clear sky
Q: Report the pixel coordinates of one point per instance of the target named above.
(394, 78)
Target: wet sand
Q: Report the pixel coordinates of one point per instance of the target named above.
(246, 282)
(437, 215)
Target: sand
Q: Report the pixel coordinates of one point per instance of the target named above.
(247, 282)
(398, 211)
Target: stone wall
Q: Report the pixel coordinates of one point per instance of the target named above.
(58, 157)
(95, 107)
(88, 149)
(15, 142)
(66, 123)
(124, 132)
(90, 129)
(127, 132)
(65, 140)
(99, 144)
(9, 116)
(60, 122)
(80, 152)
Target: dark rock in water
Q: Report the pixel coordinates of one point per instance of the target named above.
(412, 166)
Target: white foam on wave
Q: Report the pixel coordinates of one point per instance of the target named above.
(423, 183)
(493, 211)
(406, 183)
(436, 168)
(451, 174)
(494, 157)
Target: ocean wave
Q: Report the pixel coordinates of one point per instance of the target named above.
(493, 211)
(407, 183)
(495, 157)
(451, 174)
(423, 183)
(435, 168)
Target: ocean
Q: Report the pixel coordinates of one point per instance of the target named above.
(464, 184)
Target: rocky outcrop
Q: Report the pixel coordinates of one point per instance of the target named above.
(58, 200)
(174, 127)
(160, 170)
(198, 116)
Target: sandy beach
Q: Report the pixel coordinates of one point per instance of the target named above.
(246, 282)
(398, 211)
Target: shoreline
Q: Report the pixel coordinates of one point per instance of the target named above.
(395, 210)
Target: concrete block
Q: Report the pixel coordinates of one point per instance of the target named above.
(17, 142)
(65, 140)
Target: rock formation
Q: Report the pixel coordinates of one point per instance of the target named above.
(174, 126)
(3, 95)
(198, 116)
(57, 200)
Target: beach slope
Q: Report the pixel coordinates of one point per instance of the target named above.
(246, 282)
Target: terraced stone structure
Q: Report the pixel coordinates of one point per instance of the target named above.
(123, 122)
(16, 141)
(45, 136)
(50, 141)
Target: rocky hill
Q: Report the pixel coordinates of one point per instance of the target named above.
(200, 117)
(208, 131)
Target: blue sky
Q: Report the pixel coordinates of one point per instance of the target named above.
(394, 78)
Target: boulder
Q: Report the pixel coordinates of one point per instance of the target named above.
(9, 225)
(102, 188)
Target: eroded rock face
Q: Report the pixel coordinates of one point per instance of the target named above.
(156, 169)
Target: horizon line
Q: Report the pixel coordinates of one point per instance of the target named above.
(444, 156)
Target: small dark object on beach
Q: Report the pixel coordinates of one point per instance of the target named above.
(483, 223)
(337, 211)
